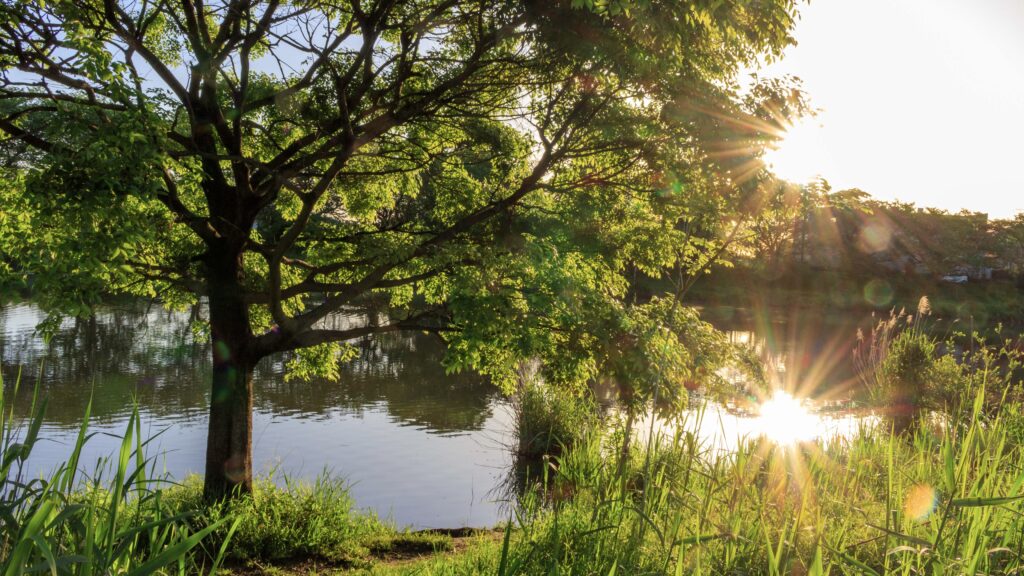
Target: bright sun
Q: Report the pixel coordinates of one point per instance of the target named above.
(785, 420)
(800, 156)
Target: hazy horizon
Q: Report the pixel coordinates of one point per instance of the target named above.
(922, 100)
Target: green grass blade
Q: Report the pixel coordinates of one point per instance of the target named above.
(172, 553)
(26, 538)
(503, 563)
(981, 502)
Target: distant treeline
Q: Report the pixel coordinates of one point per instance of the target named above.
(791, 226)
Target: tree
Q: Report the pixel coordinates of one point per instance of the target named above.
(774, 223)
(1009, 242)
(482, 169)
(945, 242)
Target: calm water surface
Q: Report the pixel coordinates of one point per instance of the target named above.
(425, 449)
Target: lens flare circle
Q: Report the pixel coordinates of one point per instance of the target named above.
(878, 293)
(921, 501)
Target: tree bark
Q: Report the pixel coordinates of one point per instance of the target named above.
(229, 440)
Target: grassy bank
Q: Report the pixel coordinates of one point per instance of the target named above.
(944, 496)
(942, 501)
(121, 517)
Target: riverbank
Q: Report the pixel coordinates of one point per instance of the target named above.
(469, 551)
(945, 498)
(981, 304)
(946, 495)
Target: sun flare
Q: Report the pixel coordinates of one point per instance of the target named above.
(784, 419)
(800, 156)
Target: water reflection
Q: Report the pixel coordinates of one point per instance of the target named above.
(806, 352)
(722, 429)
(425, 448)
(810, 387)
(150, 353)
(400, 373)
(418, 445)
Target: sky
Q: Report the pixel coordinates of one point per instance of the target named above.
(921, 101)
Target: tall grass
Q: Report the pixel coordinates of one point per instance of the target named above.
(948, 501)
(550, 420)
(944, 496)
(111, 521)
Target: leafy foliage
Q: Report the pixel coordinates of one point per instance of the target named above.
(488, 170)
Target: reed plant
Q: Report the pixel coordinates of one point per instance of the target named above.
(112, 520)
(941, 501)
(944, 496)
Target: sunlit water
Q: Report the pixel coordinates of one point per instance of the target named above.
(780, 419)
(425, 449)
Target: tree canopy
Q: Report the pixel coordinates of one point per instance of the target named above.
(485, 169)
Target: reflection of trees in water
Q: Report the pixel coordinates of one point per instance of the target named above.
(803, 350)
(123, 351)
(147, 352)
(403, 372)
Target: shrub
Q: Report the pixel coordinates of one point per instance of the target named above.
(916, 377)
(904, 369)
(550, 420)
(296, 521)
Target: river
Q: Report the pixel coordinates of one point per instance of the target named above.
(419, 447)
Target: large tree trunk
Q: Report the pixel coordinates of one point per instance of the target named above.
(229, 440)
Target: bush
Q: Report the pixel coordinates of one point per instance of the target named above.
(551, 420)
(916, 377)
(297, 521)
